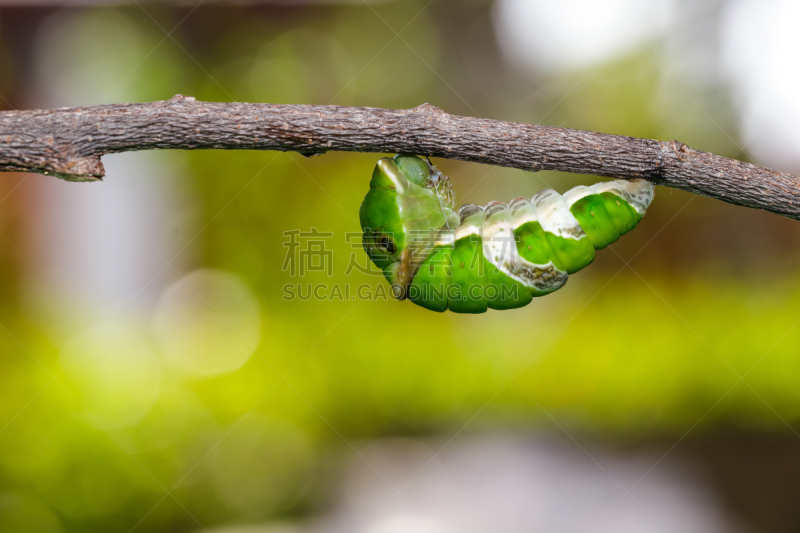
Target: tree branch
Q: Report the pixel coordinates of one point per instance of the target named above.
(68, 143)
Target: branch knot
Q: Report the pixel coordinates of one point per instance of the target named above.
(180, 99)
(429, 108)
(681, 150)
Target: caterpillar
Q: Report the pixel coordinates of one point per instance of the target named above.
(499, 256)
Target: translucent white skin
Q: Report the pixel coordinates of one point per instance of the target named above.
(552, 211)
(500, 248)
(638, 193)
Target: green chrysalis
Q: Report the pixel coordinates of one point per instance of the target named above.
(495, 257)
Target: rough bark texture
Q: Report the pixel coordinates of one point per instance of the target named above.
(68, 143)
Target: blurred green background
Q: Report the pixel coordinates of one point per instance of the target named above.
(202, 396)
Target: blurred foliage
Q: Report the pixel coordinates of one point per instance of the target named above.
(190, 418)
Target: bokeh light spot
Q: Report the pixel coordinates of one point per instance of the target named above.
(112, 373)
(404, 524)
(208, 323)
(262, 466)
(760, 46)
(570, 34)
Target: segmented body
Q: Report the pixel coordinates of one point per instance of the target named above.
(495, 257)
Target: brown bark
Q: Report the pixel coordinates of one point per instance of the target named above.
(68, 143)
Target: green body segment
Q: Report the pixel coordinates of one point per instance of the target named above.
(573, 254)
(591, 214)
(620, 212)
(503, 291)
(430, 285)
(468, 281)
(499, 257)
(533, 245)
